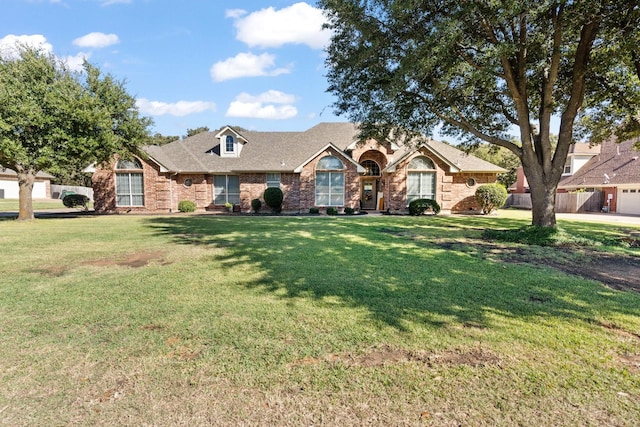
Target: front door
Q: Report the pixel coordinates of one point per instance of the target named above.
(368, 194)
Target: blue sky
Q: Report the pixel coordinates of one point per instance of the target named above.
(253, 63)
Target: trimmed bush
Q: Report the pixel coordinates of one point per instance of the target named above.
(349, 211)
(491, 197)
(314, 211)
(273, 197)
(332, 211)
(186, 206)
(75, 201)
(419, 206)
(256, 204)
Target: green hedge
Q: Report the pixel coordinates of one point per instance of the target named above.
(420, 206)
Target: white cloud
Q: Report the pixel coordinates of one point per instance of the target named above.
(10, 44)
(299, 23)
(180, 108)
(75, 62)
(96, 40)
(246, 65)
(234, 13)
(263, 106)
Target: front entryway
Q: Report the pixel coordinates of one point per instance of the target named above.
(368, 193)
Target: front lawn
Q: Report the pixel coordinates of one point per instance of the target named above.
(223, 320)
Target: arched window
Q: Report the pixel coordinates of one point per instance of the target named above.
(371, 168)
(421, 179)
(229, 144)
(129, 183)
(330, 182)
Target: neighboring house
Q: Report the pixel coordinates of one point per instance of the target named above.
(616, 172)
(320, 167)
(9, 185)
(579, 154)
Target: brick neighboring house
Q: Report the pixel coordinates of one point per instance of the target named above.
(616, 172)
(321, 167)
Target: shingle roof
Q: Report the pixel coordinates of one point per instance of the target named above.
(615, 165)
(11, 172)
(284, 151)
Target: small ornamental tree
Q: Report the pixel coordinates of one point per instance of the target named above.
(491, 197)
(273, 198)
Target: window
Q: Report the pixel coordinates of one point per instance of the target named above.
(129, 183)
(226, 189)
(371, 168)
(273, 180)
(421, 179)
(330, 182)
(229, 144)
(567, 169)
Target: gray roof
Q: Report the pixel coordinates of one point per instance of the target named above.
(11, 172)
(285, 151)
(617, 164)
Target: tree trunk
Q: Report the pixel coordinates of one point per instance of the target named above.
(543, 201)
(25, 184)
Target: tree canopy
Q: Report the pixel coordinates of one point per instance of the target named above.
(54, 119)
(480, 69)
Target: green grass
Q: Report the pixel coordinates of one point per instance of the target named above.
(11, 205)
(196, 320)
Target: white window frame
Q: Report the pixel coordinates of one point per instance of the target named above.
(222, 195)
(424, 176)
(335, 192)
(229, 141)
(273, 179)
(131, 169)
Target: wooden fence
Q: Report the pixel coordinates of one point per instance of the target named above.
(565, 202)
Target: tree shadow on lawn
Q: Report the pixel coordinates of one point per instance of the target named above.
(393, 270)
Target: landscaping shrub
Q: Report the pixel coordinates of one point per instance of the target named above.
(349, 211)
(186, 206)
(419, 206)
(332, 211)
(491, 197)
(314, 211)
(273, 197)
(76, 200)
(256, 204)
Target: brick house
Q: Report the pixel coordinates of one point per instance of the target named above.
(614, 171)
(321, 167)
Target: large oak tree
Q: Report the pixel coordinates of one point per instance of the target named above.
(481, 69)
(54, 119)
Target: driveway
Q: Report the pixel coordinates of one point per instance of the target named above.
(601, 217)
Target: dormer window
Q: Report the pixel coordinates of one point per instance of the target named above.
(229, 146)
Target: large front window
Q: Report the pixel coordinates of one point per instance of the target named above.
(330, 182)
(129, 183)
(226, 189)
(421, 179)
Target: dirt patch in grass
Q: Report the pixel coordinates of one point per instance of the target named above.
(134, 260)
(621, 272)
(386, 355)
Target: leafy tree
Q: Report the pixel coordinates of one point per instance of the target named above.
(481, 68)
(160, 139)
(191, 132)
(54, 119)
(499, 156)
